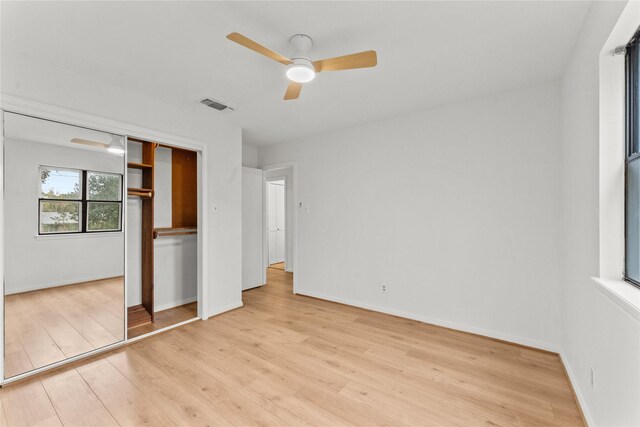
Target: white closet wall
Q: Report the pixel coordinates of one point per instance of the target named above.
(252, 228)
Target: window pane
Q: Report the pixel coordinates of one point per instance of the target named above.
(104, 186)
(633, 221)
(103, 216)
(60, 183)
(59, 216)
(634, 93)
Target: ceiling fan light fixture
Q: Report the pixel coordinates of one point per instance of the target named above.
(300, 73)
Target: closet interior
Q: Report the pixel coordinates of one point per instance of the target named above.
(162, 220)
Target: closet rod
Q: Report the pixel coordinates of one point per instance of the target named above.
(165, 232)
(177, 233)
(140, 192)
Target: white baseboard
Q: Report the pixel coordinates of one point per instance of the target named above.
(172, 304)
(220, 310)
(439, 322)
(578, 392)
(56, 284)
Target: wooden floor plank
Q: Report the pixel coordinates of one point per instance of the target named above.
(73, 399)
(127, 404)
(27, 404)
(164, 391)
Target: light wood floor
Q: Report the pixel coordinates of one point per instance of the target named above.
(166, 318)
(277, 266)
(49, 325)
(290, 360)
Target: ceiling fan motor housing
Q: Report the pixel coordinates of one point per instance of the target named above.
(304, 62)
(301, 69)
(301, 44)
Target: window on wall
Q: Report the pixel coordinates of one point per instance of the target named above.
(632, 164)
(79, 201)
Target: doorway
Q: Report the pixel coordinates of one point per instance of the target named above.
(279, 257)
(278, 279)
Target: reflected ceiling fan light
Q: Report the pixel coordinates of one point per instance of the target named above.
(300, 73)
(116, 150)
(116, 146)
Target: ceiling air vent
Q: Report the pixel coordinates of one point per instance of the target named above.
(216, 105)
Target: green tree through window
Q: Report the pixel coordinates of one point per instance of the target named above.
(65, 208)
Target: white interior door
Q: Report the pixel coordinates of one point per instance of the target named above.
(280, 251)
(276, 222)
(272, 221)
(252, 228)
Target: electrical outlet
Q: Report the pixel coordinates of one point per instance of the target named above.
(384, 288)
(593, 378)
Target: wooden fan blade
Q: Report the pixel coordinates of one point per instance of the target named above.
(256, 47)
(293, 91)
(347, 62)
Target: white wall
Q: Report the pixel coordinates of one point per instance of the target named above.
(456, 209)
(596, 331)
(34, 263)
(30, 79)
(175, 271)
(249, 156)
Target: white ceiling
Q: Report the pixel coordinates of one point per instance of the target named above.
(429, 53)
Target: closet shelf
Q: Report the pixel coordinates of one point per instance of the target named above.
(134, 165)
(140, 192)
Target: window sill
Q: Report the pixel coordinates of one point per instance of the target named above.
(622, 293)
(77, 235)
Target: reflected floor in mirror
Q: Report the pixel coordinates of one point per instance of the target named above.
(53, 324)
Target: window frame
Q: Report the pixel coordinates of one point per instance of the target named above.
(84, 201)
(632, 135)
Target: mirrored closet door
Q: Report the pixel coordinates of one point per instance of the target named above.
(63, 242)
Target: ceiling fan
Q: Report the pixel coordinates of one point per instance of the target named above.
(300, 68)
(115, 146)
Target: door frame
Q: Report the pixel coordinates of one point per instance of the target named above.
(293, 182)
(268, 181)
